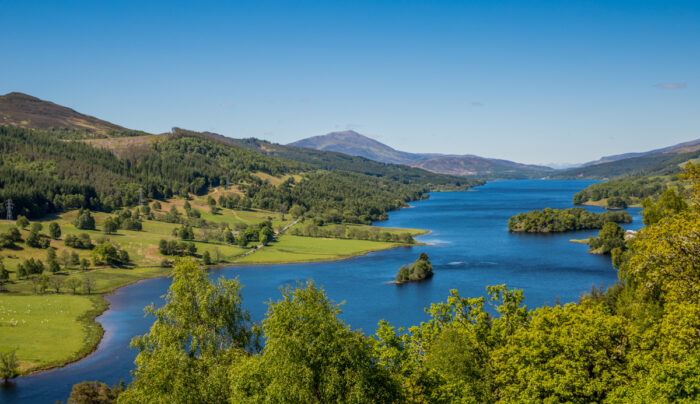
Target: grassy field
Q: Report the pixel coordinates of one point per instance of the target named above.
(48, 330)
(53, 329)
(290, 249)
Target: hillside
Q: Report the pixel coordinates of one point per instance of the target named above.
(355, 144)
(331, 160)
(677, 149)
(661, 163)
(25, 111)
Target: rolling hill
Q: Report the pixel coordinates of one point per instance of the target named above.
(355, 144)
(25, 111)
(678, 148)
(666, 161)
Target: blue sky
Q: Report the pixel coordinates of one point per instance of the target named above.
(531, 81)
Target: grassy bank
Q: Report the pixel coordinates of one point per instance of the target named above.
(295, 249)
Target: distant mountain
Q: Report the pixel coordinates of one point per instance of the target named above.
(18, 109)
(355, 144)
(679, 148)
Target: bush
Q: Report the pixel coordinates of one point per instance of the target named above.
(54, 230)
(22, 222)
(30, 266)
(81, 241)
(132, 224)
(110, 226)
(179, 248)
(419, 270)
(85, 221)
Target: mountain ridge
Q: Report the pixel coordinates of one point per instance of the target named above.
(353, 143)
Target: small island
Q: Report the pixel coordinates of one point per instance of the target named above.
(420, 270)
(562, 220)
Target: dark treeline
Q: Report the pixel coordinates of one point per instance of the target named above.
(310, 229)
(560, 220)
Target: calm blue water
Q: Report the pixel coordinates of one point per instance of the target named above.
(471, 248)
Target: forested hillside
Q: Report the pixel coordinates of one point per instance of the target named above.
(622, 192)
(43, 174)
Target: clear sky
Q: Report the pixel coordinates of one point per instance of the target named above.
(531, 81)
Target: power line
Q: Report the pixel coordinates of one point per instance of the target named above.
(9, 205)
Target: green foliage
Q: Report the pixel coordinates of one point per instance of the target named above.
(10, 237)
(88, 284)
(562, 220)
(206, 258)
(197, 335)
(670, 202)
(419, 270)
(565, 354)
(95, 392)
(610, 237)
(131, 224)
(186, 233)
(84, 220)
(36, 227)
(30, 266)
(81, 241)
(110, 226)
(40, 283)
(178, 248)
(616, 202)
(4, 275)
(73, 283)
(22, 222)
(310, 229)
(310, 356)
(54, 230)
(107, 253)
(622, 191)
(266, 235)
(9, 366)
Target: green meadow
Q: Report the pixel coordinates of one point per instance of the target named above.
(291, 249)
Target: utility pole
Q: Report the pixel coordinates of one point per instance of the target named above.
(9, 207)
(141, 196)
(228, 178)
